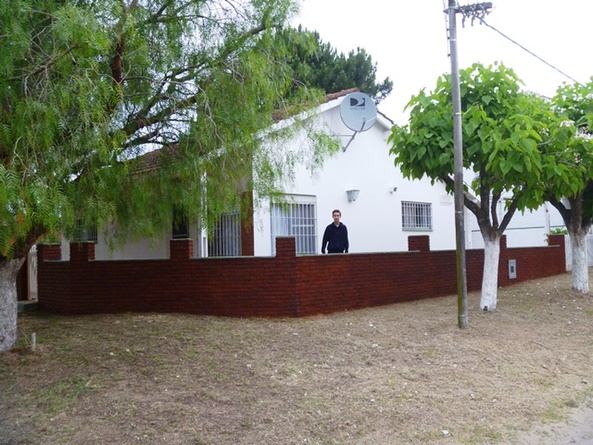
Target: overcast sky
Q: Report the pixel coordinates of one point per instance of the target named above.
(408, 40)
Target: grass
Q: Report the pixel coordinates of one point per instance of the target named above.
(396, 374)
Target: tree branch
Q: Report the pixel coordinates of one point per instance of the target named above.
(509, 214)
(493, 205)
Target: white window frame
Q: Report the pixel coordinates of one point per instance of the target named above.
(416, 216)
(295, 216)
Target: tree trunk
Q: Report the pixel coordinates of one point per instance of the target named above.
(8, 303)
(490, 273)
(580, 268)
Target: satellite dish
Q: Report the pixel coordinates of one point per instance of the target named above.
(358, 112)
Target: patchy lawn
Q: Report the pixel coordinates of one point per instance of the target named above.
(400, 374)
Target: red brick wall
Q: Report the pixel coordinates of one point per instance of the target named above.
(283, 286)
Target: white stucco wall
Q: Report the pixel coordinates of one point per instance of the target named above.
(374, 220)
(141, 249)
(525, 229)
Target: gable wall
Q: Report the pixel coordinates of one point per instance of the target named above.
(374, 220)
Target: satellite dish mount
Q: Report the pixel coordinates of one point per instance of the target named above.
(359, 113)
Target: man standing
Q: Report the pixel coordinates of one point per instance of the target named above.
(335, 237)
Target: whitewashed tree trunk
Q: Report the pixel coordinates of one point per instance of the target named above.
(8, 303)
(490, 274)
(580, 268)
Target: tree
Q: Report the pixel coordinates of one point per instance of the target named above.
(317, 64)
(88, 86)
(501, 130)
(569, 183)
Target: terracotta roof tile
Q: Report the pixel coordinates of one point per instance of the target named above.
(151, 160)
(334, 96)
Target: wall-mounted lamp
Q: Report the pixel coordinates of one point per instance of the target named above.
(352, 194)
(392, 189)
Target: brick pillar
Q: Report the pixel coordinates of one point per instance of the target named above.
(556, 240)
(419, 243)
(559, 240)
(49, 252)
(181, 249)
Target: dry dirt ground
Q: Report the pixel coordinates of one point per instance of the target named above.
(400, 374)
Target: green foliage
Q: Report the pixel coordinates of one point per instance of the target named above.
(569, 155)
(558, 231)
(88, 86)
(317, 64)
(502, 131)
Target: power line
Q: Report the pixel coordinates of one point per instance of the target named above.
(528, 51)
(479, 10)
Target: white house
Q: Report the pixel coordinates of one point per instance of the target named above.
(384, 210)
(379, 206)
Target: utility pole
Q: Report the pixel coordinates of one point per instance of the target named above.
(474, 11)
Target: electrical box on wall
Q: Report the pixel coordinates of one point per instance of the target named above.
(512, 269)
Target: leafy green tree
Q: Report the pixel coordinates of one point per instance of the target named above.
(87, 86)
(502, 128)
(317, 64)
(570, 182)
